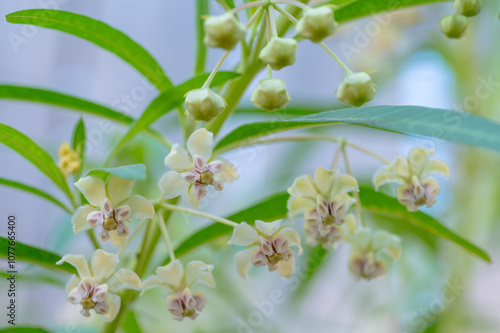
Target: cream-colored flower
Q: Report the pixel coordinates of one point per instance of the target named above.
(415, 188)
(279, 52)
(69, 160)
(267, 245)
(110, 207)
(356, 89)
(270, 95)
(204, 104)
(181, 302)
(223, 31)
(195, 169)
(96, 286)
(316, 24)
(372, 252)
(324, 201)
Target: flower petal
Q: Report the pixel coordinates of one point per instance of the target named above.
(243, 262)
(115, 239)
(384, 176)
(172, 185)
(201, 143)
(191, 196)
(344, 183)
(324, 179)
(267, 228)
(113, 304)
(124, 279)
(303, 187)
(362, 239)
(298, 205)
(198, 271)
(79, 219)
(178, 159)
(418, 158)
(77, 261)
(151, 282)
(93, 190)
(436, 166)
(171, 274)
(244, 235)
(103, 264)
(285, 268)
(140, 207)
(72, 283)
(119, 189)
(292, 237)
(229, 173)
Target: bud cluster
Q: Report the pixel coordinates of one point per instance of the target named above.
(455, 25)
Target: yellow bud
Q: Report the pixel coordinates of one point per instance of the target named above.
(316, 24)
(203, 104)
(69, 160)
(468, 7)
(270, 95)
(279, 52)
(223, 31)
(356, 89)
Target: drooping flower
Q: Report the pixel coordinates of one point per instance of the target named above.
(316, 24)
(267, 245)
(204, 104)
(69, 160)
(195, 169)
(356, 89)
(181, 302)
(324, 201)
(279, 52)
(468, 7)
(110, 207)
(270, 95)
(454, 25)
(372, 252)
(415, 188)
(97, 285)
(223, 31)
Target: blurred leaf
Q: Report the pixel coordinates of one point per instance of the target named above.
(34, 255)
(24, 329)
(270, 209)
(166, 102)
(381, 204)
(130, 324)
(132, 171)
(32, 152)
(78, 144)
(100, 34)
(34, 191)
(69, 102)
(315, 258)
(228, 3)
(202, 9)
(447, 125)
(35, 278)
(360, 8)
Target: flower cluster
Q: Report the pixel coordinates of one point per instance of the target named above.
(69, 160)
(455, 25)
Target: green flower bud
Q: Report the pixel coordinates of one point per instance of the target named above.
(223, 31)
(279, 52)
(204, 104)
(270, 95)
(454, 25)
(316, 24)
(356, 89)
(468, 7)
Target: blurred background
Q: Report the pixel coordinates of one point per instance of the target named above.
(435, 287)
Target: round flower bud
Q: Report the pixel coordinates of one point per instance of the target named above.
(223, 31)
(279, 52)
(316, 24)
(356, 89)
(203, 104)
(468, 7)
(454, 25)
(270, 95)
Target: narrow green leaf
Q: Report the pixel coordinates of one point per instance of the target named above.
(132, 171)
(35, 191)
(166, 102)
(130, 325)
(314, 257)
(24, 252)
(269, 209)
(202, 9)
(32, 152)
(381, 204)
(446, 125)
(360, 8)
(24, 329)
(100, 34)
(35, 278)
(78, 144)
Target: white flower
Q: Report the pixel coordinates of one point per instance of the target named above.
(181, 302)
(204, 104)
(195, 169)
(356, 89)
(97, 285)
(371, 253)
(223, 31)
(316, 24)
(279, 52)
(411, 174)
(111, 207)
(270, 95)
(267, 244)
(324, 202)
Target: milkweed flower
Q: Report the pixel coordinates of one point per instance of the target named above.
(69, 160)
(110, 207)
(372, 252)
(316, 24)
(223, 31)
(415, 188)
(181, 302)
(324, 201)
(96, 286)
(195, 169)
(356, 89)
(267, 245)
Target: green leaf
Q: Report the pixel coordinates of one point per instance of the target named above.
(360, 8)
(78, 144)
(69, 102)
(447, 125)
(202, 9)
(100, 34)
(34, 191)
(166, 102)
(381, 204)
(24, 329)
(132, 171)
(35, 278)
(269, 209)
(24, 252)
(130, 325)
(32, 152)
(315, 257)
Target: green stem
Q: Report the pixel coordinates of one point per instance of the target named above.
(166, 237)
(246, 6)
(92, 238)
(359, 207)
(127, 242)
(337, 59)
(216, 68)
(198, 213)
